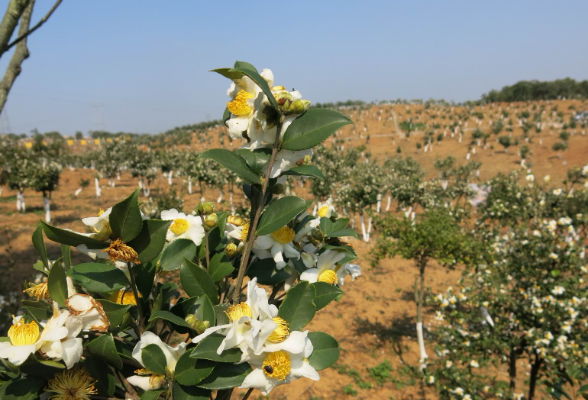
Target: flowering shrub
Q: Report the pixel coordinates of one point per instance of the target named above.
(112, 327)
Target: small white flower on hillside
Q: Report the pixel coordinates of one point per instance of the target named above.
(546, 178)
(448, 364)
(467, 397)
(553, 256)
(558, 290)
(474, 364)
(530, 178)
(183, 226)
(458, 391)
(585, 170)
(430, 379)
(326, 209)
(557, 192)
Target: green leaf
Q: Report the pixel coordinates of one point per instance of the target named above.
(242, 68)
(298, 307)
(225, 376)
(103, 348)
(168, 316)
(312, 128)
(149, 243)
(151, 394)
(256, 159)
(279, 213)
(154, 359)
(220, 266)
(182, 392)
(39, 310)
(174, 255)
(103, 374)
(145, 275)
(350, 254)
(125, 218)
(337, 228)
(57, 283)
(207, 348)
(205, 310)
(99, 278)
(306, 170)
(325, 350)
(232, 161)
(115, 312)
(266, 273)
(39, 244)
(325, 293)
(196, 282)
(555, 273)
(190, 371)
(71, 238)
(22, 389)
(34, 367)
(66, 255)
(220, 312)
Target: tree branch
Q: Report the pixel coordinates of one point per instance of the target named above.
(13, 13)
(20, 54)
(34, 28)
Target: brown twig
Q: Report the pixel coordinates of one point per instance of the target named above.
(34, 28)
(255, 222)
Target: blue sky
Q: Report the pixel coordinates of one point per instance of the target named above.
(141, 66)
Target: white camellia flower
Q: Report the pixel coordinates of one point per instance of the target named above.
(59, 337)
(172, 355)
(184, 226)
(286, 160)
(280, 364)
(253, 324)
(100, 224)
(276, 245)
(326, 209)
(89, 311)
(327, 270)
(24, 341)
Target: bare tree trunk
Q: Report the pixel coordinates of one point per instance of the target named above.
(419, 296)
(13, 13)
(20, 54)
(512, 368)
(534, 375)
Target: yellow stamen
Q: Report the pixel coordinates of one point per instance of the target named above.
(281, 332)
(100, 212)
(284, 235)
(245, 232)
(239, 310)
(236, 220)
(323, 211)
(329, 276)
(239, 105)
(123, 297)
(40, 291)
(277, 365)
(143, 372)
(179, 226)
(120, 251)
(72, 385)
(23, 334)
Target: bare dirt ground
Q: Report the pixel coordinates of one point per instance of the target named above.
(374, 321)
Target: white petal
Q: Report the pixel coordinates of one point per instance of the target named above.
(310, 275)
(258, 380)
(209, 332)
(294, 344)
(263, 242)
(169, 215)
(141, 382)
(72, 351)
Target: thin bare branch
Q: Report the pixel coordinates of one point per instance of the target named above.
(34, 28)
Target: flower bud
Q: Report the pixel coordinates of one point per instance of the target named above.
(211, 220)
(283, 98)
(205, 208)
(231, 249)
(191, 320)
(298, 107)
(317, 234)
(201, 326)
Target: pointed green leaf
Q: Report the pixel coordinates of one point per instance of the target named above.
(57, 283)
(325, 293)
(225, 376)
(220, 266)
(168, 316)
(312, 128)
(196, 282)
(151, 394)
(154, 359)
(66, 254)
(99, 278)
(174, 255)
(125, 218)
(325, 350)
(149, 243)
(205, 310)
(279, 213)
(190, 371)
(103, 348)
(71, 238)
(39, 244)
(115, 312)
(266, 273)
(182, 392)
(298, 307)
(306, 170)
(232, 161)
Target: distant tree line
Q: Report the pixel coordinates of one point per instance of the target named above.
(538, 90)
